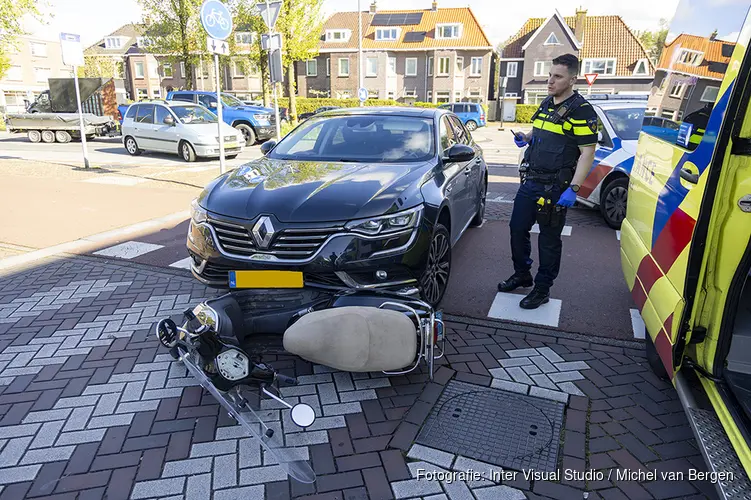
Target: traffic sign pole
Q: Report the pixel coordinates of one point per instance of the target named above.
(269, 13)
(73, 56)
(219, 114)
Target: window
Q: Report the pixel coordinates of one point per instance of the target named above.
(239, 70)
(690, 57)
(677, 90)
(446, 134)
(167, 70)
(510, 94)
(475, 68)
(343, 94)
(535, 96)
(542, 68)
(412, 93)
(311, 67)
(156, 92)
(710, 94)
(599, 66)
(14, 73)
(458, 95)
(443, 97)
(443, 66)
(390, 94)
(206, 101)
(430, 96)
(145, 112)
(387, 34)
(132, 112)
(344, 66)
(183, 97)
(161, 113)
(328, 66)
(430, 66)
(448, 30)
(153, 71)
(411, 66)
(641, 68)
(372, 94)
(38, 49)
(337, 35)
(244, 38)
(41, 74)
(667, 113)
(182, 69)
(371, 66)
(552, 40)
(392, 66)
(511, 69)
(113, 42)
(139, 70)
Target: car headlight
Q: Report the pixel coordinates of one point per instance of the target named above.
(197, 213)
(263, 119)
(387, 224)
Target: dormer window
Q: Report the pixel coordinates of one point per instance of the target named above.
(444, 31)
(338, 35)
(552, 40)
(113, 42)
(387, 34)
(690, 57)
(641, 68)
(143, 41)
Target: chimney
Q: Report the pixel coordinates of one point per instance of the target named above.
(434, 7)
(373, 7)
(713, 36)
(581, 17)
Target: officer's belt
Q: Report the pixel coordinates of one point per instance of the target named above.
(545, 176)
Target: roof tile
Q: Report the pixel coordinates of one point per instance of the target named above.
(712, 50)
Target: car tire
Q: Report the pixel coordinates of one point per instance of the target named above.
(34, 135)
(435, 278)
(471, 125)
(479, 217)
(187, 152)
(231, 157)
(62, 136)
(48, 136)
(131, 146)
(248, 133)
(613, 202)
(654, 360)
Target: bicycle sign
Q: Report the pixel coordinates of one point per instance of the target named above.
(216, 19)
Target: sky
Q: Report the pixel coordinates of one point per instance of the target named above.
(93, 19)
(726, 16)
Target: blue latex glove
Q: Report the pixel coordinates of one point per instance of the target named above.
(567, 199)
(519, 141)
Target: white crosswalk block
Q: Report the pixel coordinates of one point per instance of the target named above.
(500, 199)
(566, 230)
(637, 324)
(128, 250)
(182, 264)
(506, 307)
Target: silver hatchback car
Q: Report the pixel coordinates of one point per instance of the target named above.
(186, 129)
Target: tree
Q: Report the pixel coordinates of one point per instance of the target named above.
(654, 41)
(12, 14)
(300, 23)
(173, 28)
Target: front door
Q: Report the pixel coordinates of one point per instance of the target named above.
(455, 186)
(166, 137)
(144, 127)
(471, 171)
(660, 238)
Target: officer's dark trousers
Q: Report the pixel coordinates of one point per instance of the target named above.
(523, 217)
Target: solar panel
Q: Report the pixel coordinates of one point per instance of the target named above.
(380, 20)
(414, 36)
(396, 19)
(414, 18)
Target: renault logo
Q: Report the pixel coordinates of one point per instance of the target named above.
(263, 231)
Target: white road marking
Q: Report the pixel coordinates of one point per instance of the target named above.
(618, 235)
(185, 263)
(637, 324)
(503, 179)
(506, 306)
(117, 180)
(129, 250)
(500, 199)
(566, 230)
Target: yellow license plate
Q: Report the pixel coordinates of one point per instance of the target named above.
(231, 145)
(265, 279)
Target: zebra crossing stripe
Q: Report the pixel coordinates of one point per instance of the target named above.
(128, 250)
(566, 230)
(182, 264)
(637, 324)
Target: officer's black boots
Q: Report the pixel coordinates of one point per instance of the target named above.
(515, 282)
(537, 297)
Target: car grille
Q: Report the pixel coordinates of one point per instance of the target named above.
(290, 243)
(216, 273)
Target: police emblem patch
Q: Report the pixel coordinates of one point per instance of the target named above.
(592, 123)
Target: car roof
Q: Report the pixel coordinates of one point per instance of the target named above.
(624, 104)
(387, 110)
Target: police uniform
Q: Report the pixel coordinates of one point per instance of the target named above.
(548, 167)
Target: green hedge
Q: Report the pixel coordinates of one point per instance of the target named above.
(308, 105)
(524, 112)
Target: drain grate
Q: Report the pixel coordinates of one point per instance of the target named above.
(494, 426)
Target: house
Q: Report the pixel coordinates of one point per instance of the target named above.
(434, 55)
(604, 44)
(32, 62)
(124, 54)
(689, 75)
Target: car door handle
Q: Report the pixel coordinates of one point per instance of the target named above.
(478, 160)
(449, 188)
(689, 176)
(467, 170)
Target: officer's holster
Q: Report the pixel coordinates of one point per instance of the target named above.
(548, 212)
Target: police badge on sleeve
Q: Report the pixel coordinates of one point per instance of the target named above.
(592, 123)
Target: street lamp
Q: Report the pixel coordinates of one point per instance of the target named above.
(359, 49)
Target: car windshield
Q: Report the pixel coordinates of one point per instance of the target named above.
(194, 115)
(359, 138)
(626, 122)
(230, 100)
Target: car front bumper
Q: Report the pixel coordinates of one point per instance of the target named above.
(213, 150)
(263, 133)
(343, 261)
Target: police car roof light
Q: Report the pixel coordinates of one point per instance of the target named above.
(616, 97)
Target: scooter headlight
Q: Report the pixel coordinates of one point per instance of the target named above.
(233, 364)
(207, 316)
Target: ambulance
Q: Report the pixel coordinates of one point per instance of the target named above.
(686, 238)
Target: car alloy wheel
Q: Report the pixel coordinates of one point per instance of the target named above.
(436, 276)
(471, 125)
(131, 147)
(614, 202)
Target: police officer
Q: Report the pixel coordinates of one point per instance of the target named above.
(560, 153)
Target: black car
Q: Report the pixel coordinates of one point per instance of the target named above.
(305, 116)
(357, 198)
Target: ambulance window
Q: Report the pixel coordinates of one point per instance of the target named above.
(691, 68)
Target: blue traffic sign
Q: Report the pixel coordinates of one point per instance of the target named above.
(216, 19)
(362, 94)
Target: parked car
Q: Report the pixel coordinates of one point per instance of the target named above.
(354, 198)
(305, 116)
(188, 130)
(255, 122)
(471, 114)
(283, 112)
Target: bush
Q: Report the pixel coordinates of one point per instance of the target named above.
(524, 112)
(2, 124)
(309, 104)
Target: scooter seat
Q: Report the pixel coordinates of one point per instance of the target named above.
(354, 339)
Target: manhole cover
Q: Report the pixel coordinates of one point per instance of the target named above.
(498, 427)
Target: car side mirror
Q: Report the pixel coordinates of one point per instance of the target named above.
(459, 153)
(168, 120)
(267, 146)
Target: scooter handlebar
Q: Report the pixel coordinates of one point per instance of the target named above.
(285, 380)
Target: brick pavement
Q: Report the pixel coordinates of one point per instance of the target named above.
(91, 407)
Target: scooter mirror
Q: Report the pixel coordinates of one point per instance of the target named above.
(303, 415)
(166, 332)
